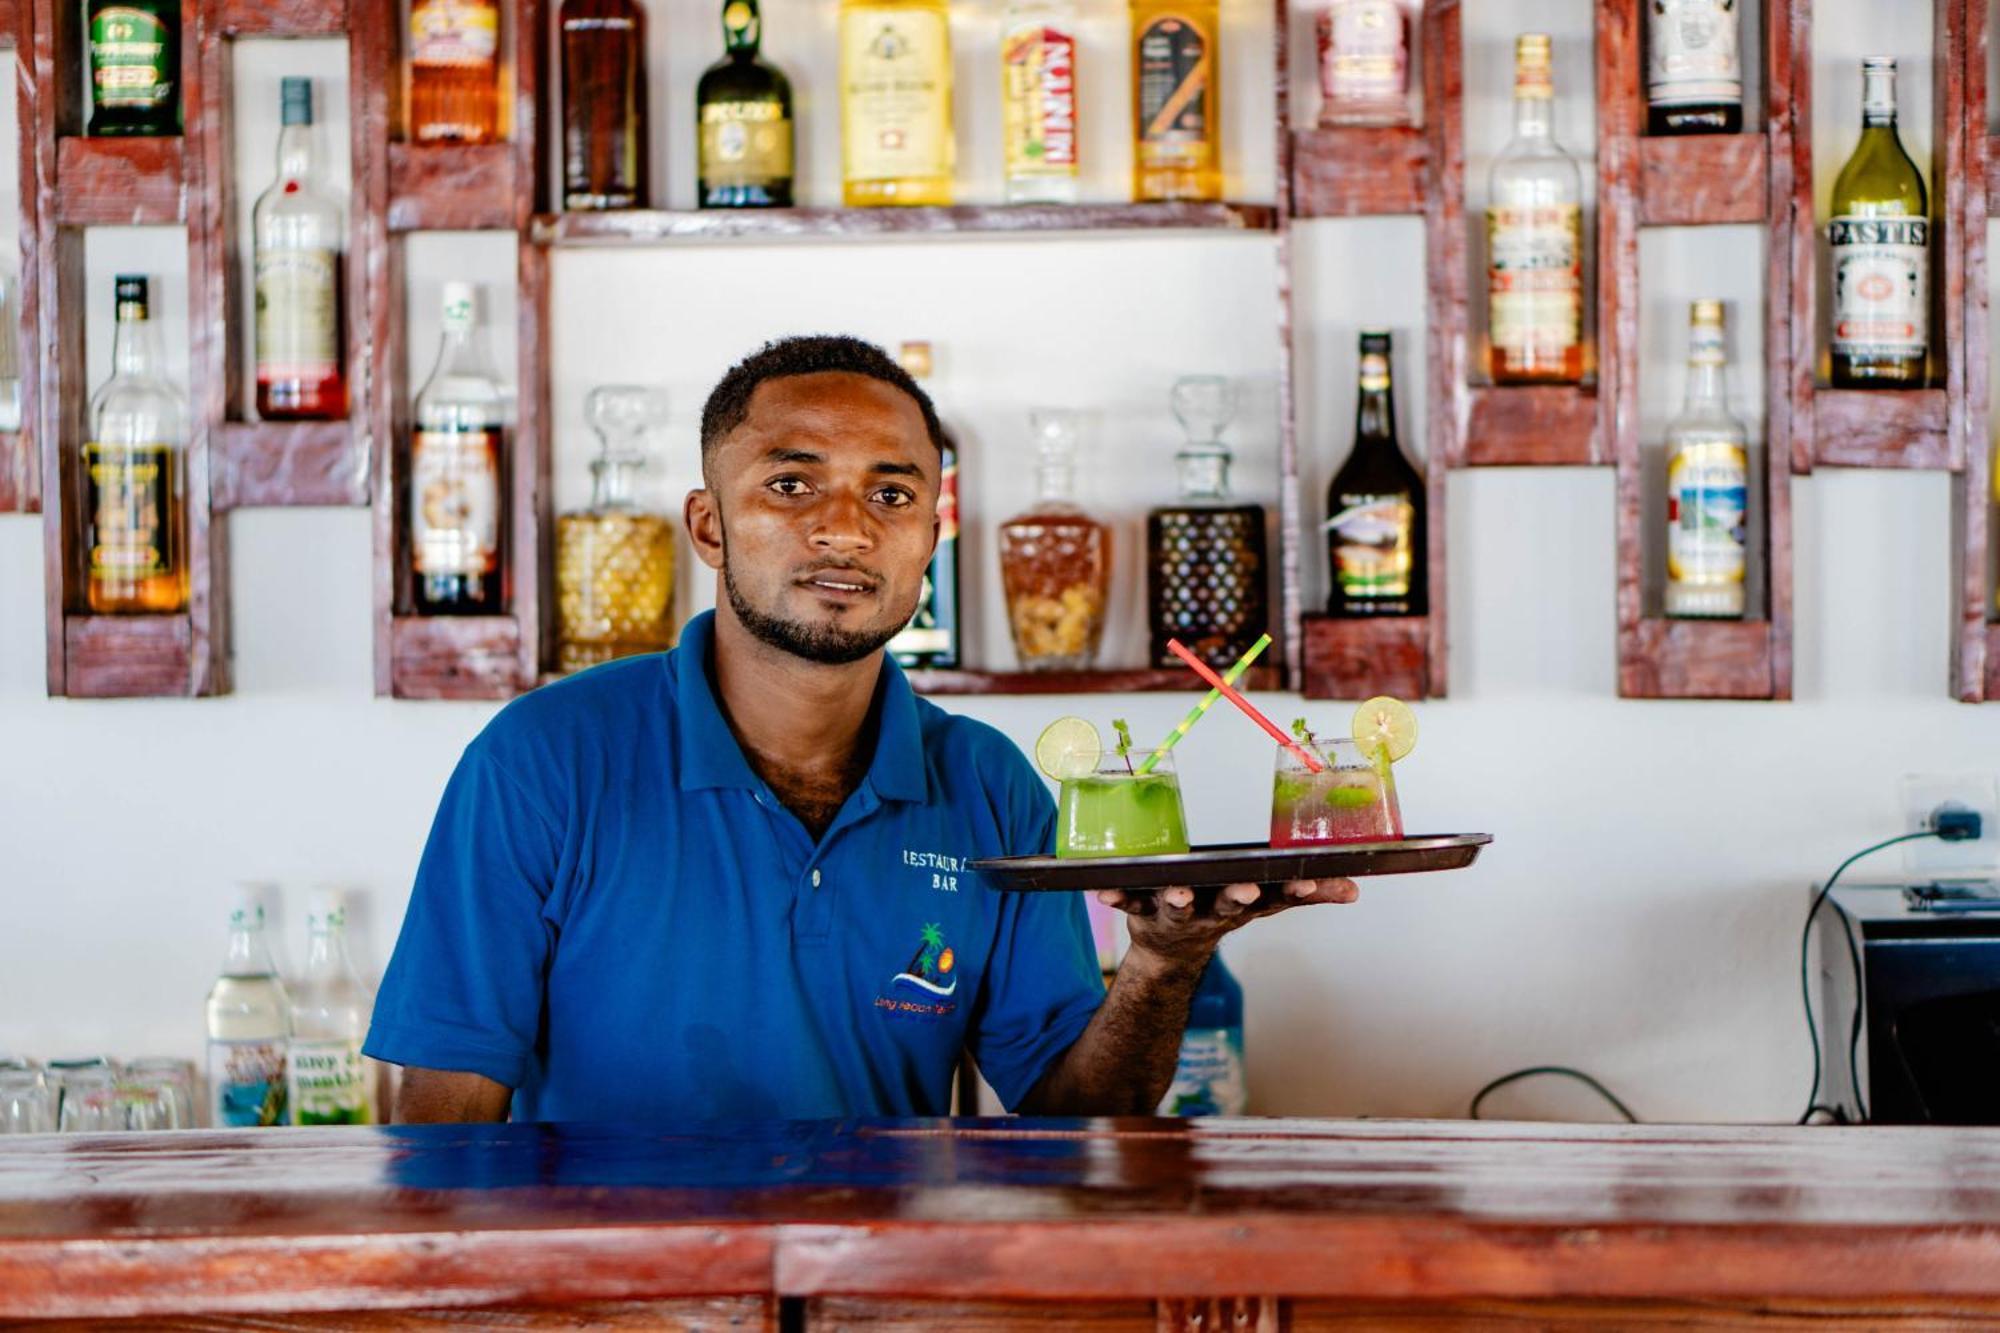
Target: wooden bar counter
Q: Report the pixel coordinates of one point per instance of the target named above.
(1096, 1225)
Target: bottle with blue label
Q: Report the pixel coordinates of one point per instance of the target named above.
(249, 1023)
(1210, 1078)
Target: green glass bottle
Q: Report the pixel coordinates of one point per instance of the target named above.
(135, 66)
(1879, 236)
(743, 112)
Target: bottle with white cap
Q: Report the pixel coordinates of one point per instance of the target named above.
(249, 1022)
(329, 1080)
(457, 501)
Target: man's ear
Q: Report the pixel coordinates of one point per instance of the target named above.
(702, 518)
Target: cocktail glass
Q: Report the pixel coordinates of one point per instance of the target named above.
(1116, 812)
(1352, 800)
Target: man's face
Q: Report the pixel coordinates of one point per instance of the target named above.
(821, 514)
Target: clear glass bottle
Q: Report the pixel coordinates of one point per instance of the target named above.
(457, 500)
(328, 1080)
(1879, 236)
(1176, 99)
(1038, 108)
(1206, 567)
(896, 140)
(1708, 482)
(1364, 62)
(249, 1022)
(1534, 232)
(614, 561)
(298, 278)
(134, 473)
(1055, 560)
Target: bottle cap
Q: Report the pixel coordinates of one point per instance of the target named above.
(247, 910)
(1532, 62)
(326, 906)
(295, 100)
(915, 358)
(458, 307)
(1879, 63)
(131, 289)
(1705, 312)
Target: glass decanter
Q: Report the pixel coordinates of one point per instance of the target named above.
(614, 561)
(1055, 560)
(1206, 566)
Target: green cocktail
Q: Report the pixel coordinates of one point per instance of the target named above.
(1115, 812)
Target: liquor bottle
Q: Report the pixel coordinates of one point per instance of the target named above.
(1364, 62)
(1694, 67)
(1534, 234)
(895, 102)
(135, 474)
(1055, 561)
(249, 1022)
(298, 276)
(932, 638)
(1708, 482)
(1210, 1077)
(1880, 238)
(135, 67)
(1375, 527)
(1205, 557)
(327, 1080)
(454, 71)
(458, 492)
(743, 105)
(614, 561)
(1038, 108)
(1176, 100)
(603, 103)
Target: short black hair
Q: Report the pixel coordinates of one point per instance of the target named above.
(810, 354)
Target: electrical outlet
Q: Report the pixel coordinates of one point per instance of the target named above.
(1933, 858)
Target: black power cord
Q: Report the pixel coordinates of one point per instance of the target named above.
(1813, 1106)
(1564, 1071)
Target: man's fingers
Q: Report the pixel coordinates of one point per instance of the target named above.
(1322, 890)
(1177, 897)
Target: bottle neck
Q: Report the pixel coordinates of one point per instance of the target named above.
(1878, 99)
(1375, 409)
(612, 480)
(132, 348)
(1056, 482)
(457, 352)
(248, 956)
(1534, 115)
(326, 950)
(742, 29)
(1204, 472)
(1707, 386)
(294, 153)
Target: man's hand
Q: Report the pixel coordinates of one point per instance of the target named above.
(1184, 925)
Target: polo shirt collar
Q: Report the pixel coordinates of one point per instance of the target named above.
(710, 756)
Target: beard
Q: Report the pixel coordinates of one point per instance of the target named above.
(826, 645)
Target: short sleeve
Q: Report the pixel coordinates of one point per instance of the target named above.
(463, 990)
(1043, 984)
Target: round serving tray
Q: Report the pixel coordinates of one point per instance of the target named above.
(1238, 863)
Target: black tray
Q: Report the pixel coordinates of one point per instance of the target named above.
(1236, 863)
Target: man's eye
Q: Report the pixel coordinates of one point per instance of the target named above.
(895, 497)
(789, 486)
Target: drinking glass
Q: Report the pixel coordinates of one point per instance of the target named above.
(1117, 812)
(146, 1106)
(88, 1102)
(26, 1106)
(1352, 799)
(174, 1077)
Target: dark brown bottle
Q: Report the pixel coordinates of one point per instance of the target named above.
(1206, 564)
(603, 103)
(1375, 530)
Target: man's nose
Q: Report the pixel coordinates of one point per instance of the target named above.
(844, 524)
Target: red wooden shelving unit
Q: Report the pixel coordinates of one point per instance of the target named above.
(20, 463)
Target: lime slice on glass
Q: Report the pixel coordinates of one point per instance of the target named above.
(1387, 726)
(1068, 747)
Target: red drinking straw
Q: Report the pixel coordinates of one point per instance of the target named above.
(1201, 668)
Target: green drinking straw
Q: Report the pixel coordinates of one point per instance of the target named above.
(1229, 677)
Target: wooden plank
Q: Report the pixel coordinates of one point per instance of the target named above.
(1905, 1315)
(281, 18)
(1697, 659)
(647, 227)
(1703, 178)
(380, 393)
(740, 1314)
(120, 657)
(133, 182)
(1360, 658)
(1972, 506)
(1532, 426)
(452, 187)
(1445, 257)
(456, 657)
(1992, 661)
(1780, 117)
(19, 491)
(1360, 172)
(840, 1314)
(1898, 428)
(1801, 326)
(288, 463)
(210, 208)
(1108, 681)
(1291, 523)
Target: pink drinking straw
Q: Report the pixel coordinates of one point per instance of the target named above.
(1201, 668)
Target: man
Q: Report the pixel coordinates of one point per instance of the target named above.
(729, 880)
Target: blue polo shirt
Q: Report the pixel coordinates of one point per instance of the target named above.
(617, 918)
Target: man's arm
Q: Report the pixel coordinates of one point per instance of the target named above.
(1124, 1061)
(445, 1096)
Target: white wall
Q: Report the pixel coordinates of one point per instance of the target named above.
(1638, 915)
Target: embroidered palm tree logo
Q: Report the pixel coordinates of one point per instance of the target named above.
(930, 969)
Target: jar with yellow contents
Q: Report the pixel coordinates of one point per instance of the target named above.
(615, 561)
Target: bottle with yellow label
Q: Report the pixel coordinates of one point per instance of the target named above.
(744, 108)
(896, 142)
(1534, 237)
(1176, 100)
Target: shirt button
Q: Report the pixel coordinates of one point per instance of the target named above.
(815, 879)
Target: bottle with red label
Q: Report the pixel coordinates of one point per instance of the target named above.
(1039, 104)
(1364, 62)
(457, 501)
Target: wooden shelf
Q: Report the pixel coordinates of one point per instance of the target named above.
(137, 182)
(1139, 680)
(112, 657)
(457, 657)
(1894, 428)
(20, 492)
(1703, 179)
(453, 187)
(1532, 425)
(648, 227)
(1359, 172)
(260, 463)
(1699, 659)
(281, 18)
(1975, 638)
(1359, 659)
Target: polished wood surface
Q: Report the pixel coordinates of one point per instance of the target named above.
(1182, 1217)
(645, 227)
